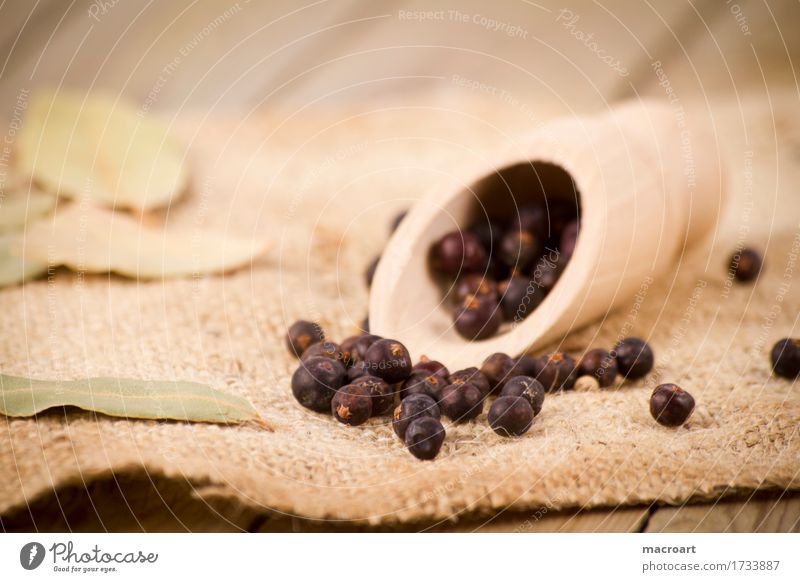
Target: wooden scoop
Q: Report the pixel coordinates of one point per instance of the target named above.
(649, 185)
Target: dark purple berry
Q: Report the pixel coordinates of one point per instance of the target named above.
(497, 369)
(330, 350)
(531, 218)
(381, 394)
(388, 359)
(316, 381)
(429, 384)
(461, 403)
(411, 408)
(510, 416)
(352, 405)
(369, 274)
(670, 405)
(634, 358)
(478, 317)
(424, 438)
(488, 233)
(458, 251)
(526, 365)
(559, 213)
(546, 273)
(599, 364)
(427, 366)
(568, 239)
(471, 376)
(355, 347)
(301, 335)
(357, 370)
(528, 388)
(745, 264)
(496, 270)
(557, 372)
(397, 220)
(473, 284)
(348, 348)
(786, 358)
(518, 298)
(518, 249)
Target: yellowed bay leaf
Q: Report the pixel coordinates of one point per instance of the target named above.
(127, 398)
(19, 208)
(98, 146)
(15, 269)
(97, 240)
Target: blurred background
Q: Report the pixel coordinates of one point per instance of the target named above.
(574, 54)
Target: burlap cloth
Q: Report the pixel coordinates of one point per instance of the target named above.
(324, 186)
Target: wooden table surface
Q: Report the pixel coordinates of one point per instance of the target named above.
(147, 503)
(243, 55)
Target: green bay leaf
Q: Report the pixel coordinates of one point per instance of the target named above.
(127, 398)
(19, 208)
(97, 240)
(97, 145)
(15, 269)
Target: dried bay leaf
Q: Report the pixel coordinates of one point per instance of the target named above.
(19, 205)
(15, 269)
(19, 208)
(127, 398)
(77, 145)
(97, 240)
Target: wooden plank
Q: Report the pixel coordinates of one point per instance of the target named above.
(610, 520)
(747, 515)
(131, 503)
(623, 519)
(137, 503)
